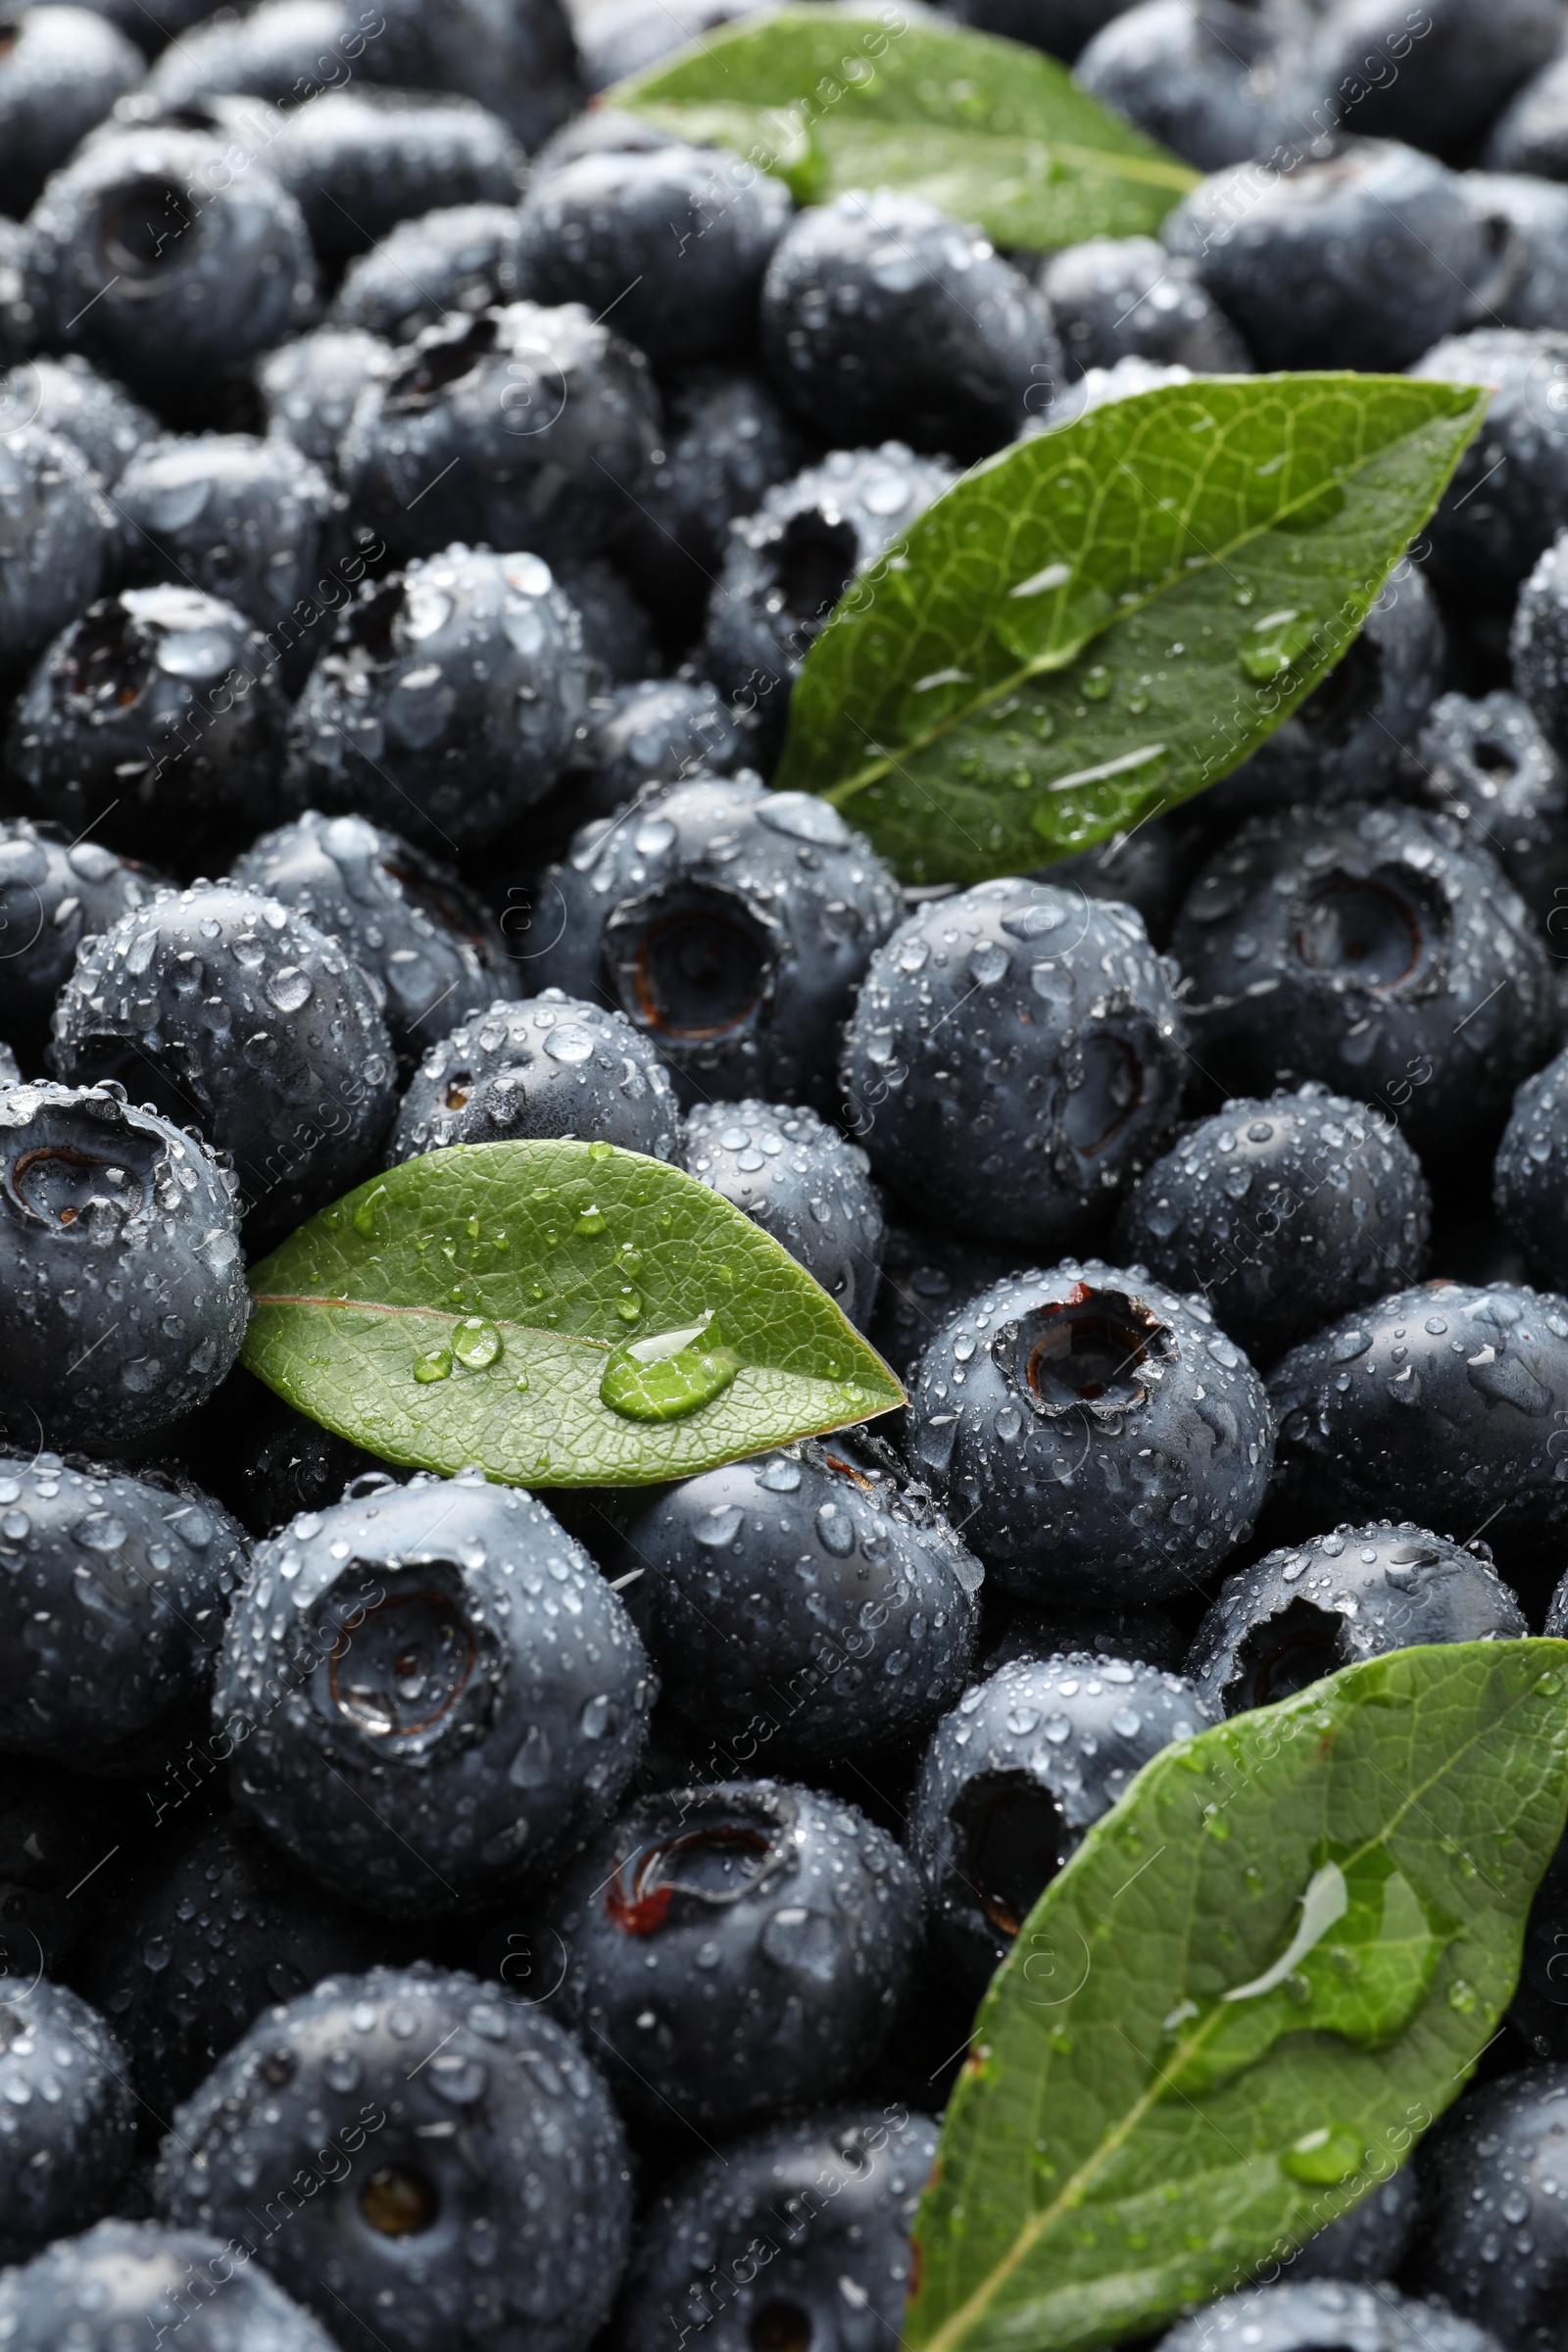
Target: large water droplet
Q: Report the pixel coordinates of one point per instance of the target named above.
(437, 1365)
(1327, 2155)
(476, 1343)
(667, 1375)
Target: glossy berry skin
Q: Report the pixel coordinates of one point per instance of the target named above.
(1305, 1611)
(1501, 2152)
(63, 69)
(463, 256)
(1114, 298)
(1468, 57)
(840, 2192)
(801, 1605)
(682, 237)
(517, 55)
(1359, 257)
(798, 1179)
(1531, 135)
(53, 894)
(1284, 1213)
(550, 1066)
(1527, 1181)
(1203, 79)
(350, 2085)
(106, 1688)
(163, 262)
(1538, 641)
(422, 939)
(70, 398)
(1484, 541)
(769, 1932)
(652, 731)
(445, 704)
(1487, 1366)
(732, 926)
(123, 1299)
(158, 717)
(280, 53)
(882, 315)
(1380, 950)
(232, 1013)
(359, 160)
(1096, 1436)
(309, 387)
(1488, 763)
(224, 1924)
(1013, 1058)
(525, 427)
(1305, 2317)
(128, 2281)
(67, 2138)
(57, 541)
(510, 1734)
(1016, 1774)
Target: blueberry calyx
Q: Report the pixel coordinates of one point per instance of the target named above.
(731, 1854)
(1097, 1351)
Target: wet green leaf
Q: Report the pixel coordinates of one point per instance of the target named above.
(477, 1305)
(990, 130)
(1103, 620)
(1258, 1979)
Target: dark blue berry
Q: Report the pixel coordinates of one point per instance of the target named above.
(551, 1066)
(1204, 79)
(68, 2136)
(1058, 27)
(799, 1180)
(1114, 298)
(439, 2125)
(1014, 1056)
(1538, 2011)
(1317, 2313)
(1531, 134)
(133, 2282)
(282, 52)
(1465, 60)
(926, 1277)
(653, 731)
(735, 1950)
(70, 398)
(462, 257)
(517, 55)
(1528, 1178)
(1508, 495)
(731, 926)
(268, 1462)
(1525, 224)
(62, 70)
(357, 160)
(1488, 763)
(1537, 643)
(57, 541)
(53, 894)
(309, 387)
(1095, 1436)
(1494, 2242)
(430, 1692)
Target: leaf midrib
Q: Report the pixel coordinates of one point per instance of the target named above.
(434, 1314)
(1072, 2192)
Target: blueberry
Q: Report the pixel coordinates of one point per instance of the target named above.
(1488, 763)
(1096, 1436)
(600, 129)
(445, 704)
(133, 2282)
(677, 239)
(357, 161)
(68, 2140)
(120, 1273)
(62, 70)
(1314, 2313)
(617, 634)
(926, 1277)
(225, 1008)
(1538, 2011)
(1538, 644)
(1284, 1213)
(1302, 1613)
(731, 926)
(1465, 60)
(1495, 2164)
(1017, 1772)
(428, 2118)
(279, 52)
(224, 1918)
(801, 1605)
(522, 428)
(726, 442)
(114, 1603)
(787, 564)
(158, 720)
(1508, 496)
(1439, 1404)
(309, 387)
(1204, 79)
(653, 731)
(801, 1183)
(1369, 2243)
(1117, 297)
(72, 400)
(421, 940)
(452, 1698)
(735, 1950)
(18, 324)
(268, 1462)
(515, 55)
(553, 1065)
(1380, 950)
(1525, 224)
(162, 262)
(1014, 1056)
(57, 540)
(796, 2235)
(882, 315)
(1527, 1180)
(53, 894)
(1531, 134)
(1356, 257)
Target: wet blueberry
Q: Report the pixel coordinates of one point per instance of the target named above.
(268, 1462)
(133, 2282)
(1525, 224)
(551, 1066)
(463, 258)
(1015, 1775)
(309, 387)
(1468, 56)
(66, 2139)
(53, 894)
(1531, 134)
(801, 1605)
(57, 540)
(1096, 1436)
(61, 70)
(652, 731)
(735, 1950)
(285, 53)
(731, 926)
(1486, 762)
(451, 1696)
(1538, 2011)
(617, 631)
(67, 397)
(427, 2117)
(1014, 1056)
(926, 1277)
(1115, 297)
(517, 55)
(1283, 1213)
(1508, 495)
(1314, 2314)
(357, 161)
(1495, 2175)
(1528, 1178)
(1305, 1611)
(223, 1009)
(1538, 641)
(1204, 79)
(799, 1180)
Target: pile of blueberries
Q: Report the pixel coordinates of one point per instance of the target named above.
(437, 1918)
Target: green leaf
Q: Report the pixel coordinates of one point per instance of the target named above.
(990, 130)
(1103, 620)
(1258, 1979)
(561, 1313)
